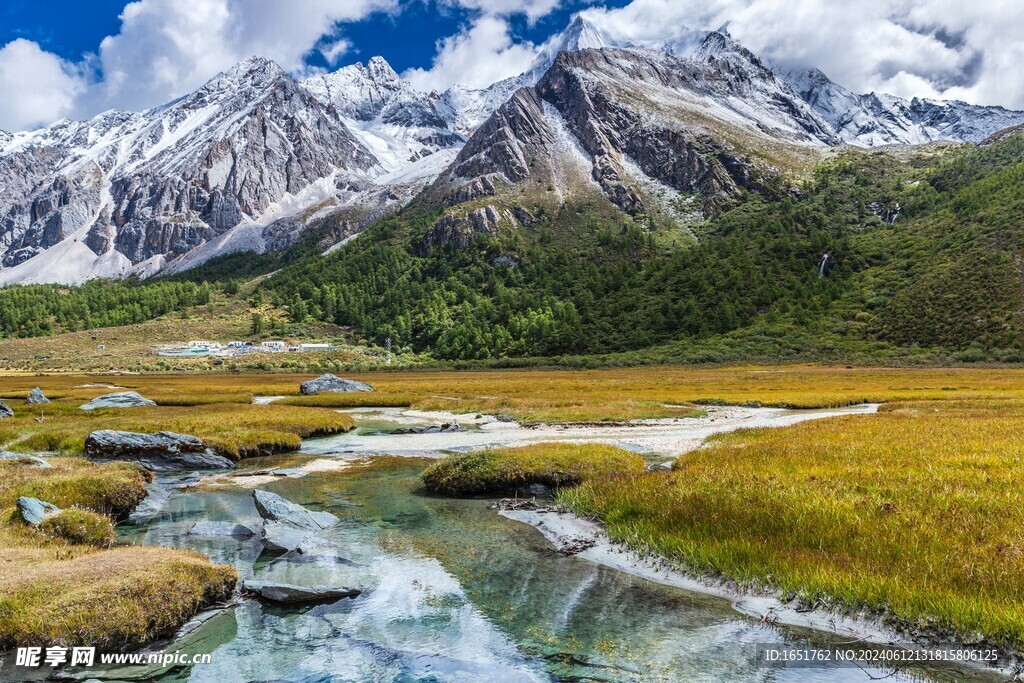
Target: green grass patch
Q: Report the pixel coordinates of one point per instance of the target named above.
(915, 514)
(85, 527)
(61, 585)
(552, 464)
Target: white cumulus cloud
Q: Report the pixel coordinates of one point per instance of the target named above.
(36, 87)
(911, 48)
(480, 55)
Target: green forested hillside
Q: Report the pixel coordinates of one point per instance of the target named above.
(945, 274)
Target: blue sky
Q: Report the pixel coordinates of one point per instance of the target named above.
(76, 59)
(407, 38)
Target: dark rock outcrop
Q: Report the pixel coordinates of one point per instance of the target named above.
(290, 593)
(5, 410)
(461, 231)
(160, 451)
(332, 384)
(36, 397)
(118, 399)
(444, 428)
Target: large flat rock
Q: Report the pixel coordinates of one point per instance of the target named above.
(118, 399)
(291, 593)
(160, 451)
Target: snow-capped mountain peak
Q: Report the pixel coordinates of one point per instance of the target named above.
(880, 119)
(398, 123)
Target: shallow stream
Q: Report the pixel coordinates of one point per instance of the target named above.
(453, 591)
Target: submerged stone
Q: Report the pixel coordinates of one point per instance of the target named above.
(206, 528)
(119, 399)
(291, 593)
(154, 502)
(288, 524)
(332, 384)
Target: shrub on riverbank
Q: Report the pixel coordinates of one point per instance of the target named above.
(58, 587)
(914, 514)
(80, 526)
(113, 489)
(552, 464)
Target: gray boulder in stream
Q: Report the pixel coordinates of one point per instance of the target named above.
(160, 451)
(288, 524)
(333, 384)
(152, 505)
(118, 399)
(5, 410)
(290, 593)
(36, 397)
(34, 511)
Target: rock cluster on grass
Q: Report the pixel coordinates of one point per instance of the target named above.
(286, 524)
(36, 397)
(332, 384)
(290, 593)
(118, 399)
(160, 451)
(25, 459)
(5, 410)
(34, 511)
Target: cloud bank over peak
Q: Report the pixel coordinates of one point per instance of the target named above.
(165, 48)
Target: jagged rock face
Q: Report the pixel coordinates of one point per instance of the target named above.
(461, 230)
(162, 182)
(483, 186)
(509, 141)
(631, 109)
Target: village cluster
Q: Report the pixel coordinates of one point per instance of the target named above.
(198, 348)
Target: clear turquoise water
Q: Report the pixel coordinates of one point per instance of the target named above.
(455, 592)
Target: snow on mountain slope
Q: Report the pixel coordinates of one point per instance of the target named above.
(878, 119)
(165, 181)
(395, 122)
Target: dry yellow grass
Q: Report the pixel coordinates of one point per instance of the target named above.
(565, 395)
(55, 592)
(916, 514)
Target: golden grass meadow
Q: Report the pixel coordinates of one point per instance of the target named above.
(914, 515)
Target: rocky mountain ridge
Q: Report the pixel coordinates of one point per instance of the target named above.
(251, 158)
